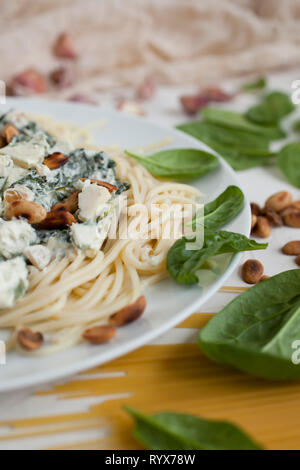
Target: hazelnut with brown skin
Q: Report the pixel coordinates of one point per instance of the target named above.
(279, 201)
(252, 271)
(292, 248)
(255, 209)
(274, 218)
(263, 227)
(292, 218)
(297, 260)
(253, 221)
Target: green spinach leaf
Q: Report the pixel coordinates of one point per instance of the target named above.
(256, 85)
(273, 108)
(236, 120)
(296, 126)
(178, 163)
(237, 139)
(257, 330)
(172, 431)
(183, 263)
(221, 210)
(288, 160)
(241, 149)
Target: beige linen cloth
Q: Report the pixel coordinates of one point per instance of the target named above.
(177, 41)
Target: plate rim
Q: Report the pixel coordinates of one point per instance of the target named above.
(42, 377)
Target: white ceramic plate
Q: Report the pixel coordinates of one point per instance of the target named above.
(167, 302)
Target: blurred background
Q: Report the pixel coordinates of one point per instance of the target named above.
(75, 49)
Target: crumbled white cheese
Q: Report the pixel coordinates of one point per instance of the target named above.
(39, 255)
(15, 235)
(92, 201)
(42, 170)
(90, 236)
(28, 153)
(13, 281)
(17, 118)
(65, 146)
(15, 175)
(6, 166)
(58, 248)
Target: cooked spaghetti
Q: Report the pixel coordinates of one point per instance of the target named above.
(81, 286)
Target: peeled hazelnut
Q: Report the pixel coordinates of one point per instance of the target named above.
(295, 205)
(9, 132)
(253, 221)
(292, 248)
(274, 218)
(64, 47)
(129, 313)
(55, 160)
(33, 212)
(297, 260)
(99, 334)
(279, 201)
(29, 81)
(29, 339)
(62, 77)
(292, 218)
(252, 271)
(111, 188)
(263, 227)
(255, 209)
(56, 220)
(69, 204)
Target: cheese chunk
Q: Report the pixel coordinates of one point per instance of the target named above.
(92, 201)
(15, 175)
(27, 153)
(15, 235)
(13, 281)
(90, 236)
(38, 255)
(6, 166)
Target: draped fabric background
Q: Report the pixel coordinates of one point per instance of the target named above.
(177, 41)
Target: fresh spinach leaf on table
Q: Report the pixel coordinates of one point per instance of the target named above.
(288, 160)
(178, 431)
(236, 120)
(221, 210)
(241, 149)
(257, 330)
(178, 163)
(275, 106)
(258, 84)
(183, 263)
